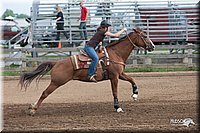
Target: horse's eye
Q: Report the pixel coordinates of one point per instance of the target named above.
(145, 36)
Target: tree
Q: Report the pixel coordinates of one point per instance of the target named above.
(21, 16)
(10, 12)
(7, 13)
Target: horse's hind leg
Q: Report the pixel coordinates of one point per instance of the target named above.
(52, 87)
(125, 77)
(60, 75)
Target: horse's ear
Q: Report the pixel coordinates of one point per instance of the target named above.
(137, 30)
(134, 30)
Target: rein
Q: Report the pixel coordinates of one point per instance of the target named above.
(136, 37)
(116, 62)
(122, 63)
(128, 36)
(131, 40)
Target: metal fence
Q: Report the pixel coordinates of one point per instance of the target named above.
(171, 22)
(159, 58)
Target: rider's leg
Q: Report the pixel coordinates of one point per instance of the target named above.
(93, 55)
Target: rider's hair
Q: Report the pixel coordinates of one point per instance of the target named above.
(102, 28)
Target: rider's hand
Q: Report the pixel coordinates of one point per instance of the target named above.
(100, 43)
(125, 29)
(100, 49)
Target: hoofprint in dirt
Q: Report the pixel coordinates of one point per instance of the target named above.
(163, 99)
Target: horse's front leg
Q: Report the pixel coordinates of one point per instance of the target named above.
(125, 77)
(114, 84)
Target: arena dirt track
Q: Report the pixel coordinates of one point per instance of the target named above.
(79, 106)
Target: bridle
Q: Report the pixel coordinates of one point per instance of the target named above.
(146, 44)
(128, 36)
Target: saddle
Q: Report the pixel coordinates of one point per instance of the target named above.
(82, 60)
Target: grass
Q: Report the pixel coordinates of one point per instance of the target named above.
(152, 69)
(10, 73)
(136, 69)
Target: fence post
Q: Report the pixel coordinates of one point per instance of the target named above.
(134, 62)
(189, 56)
(147, 61)
(23, 56)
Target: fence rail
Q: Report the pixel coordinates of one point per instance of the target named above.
(186, 56)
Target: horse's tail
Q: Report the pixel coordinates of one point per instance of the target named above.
(38, 73)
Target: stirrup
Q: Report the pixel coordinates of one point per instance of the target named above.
(91, 78)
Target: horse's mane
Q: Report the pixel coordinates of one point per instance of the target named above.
(118, 41)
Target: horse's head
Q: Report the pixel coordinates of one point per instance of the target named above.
(141, 40)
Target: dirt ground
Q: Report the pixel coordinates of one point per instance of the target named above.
(78, 106)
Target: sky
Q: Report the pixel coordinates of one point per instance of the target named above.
(23, 6)
(18, 6)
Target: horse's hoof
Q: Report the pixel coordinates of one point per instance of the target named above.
(32, 112)
(30, 106)
(119, 110)
(135, 97)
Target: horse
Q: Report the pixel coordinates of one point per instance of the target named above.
(62, 71)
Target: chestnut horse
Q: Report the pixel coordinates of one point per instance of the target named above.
(62, 71)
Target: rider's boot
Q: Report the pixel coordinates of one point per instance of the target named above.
(92, 78)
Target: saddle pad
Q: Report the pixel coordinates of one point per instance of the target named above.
(84, 58)
(79, 64)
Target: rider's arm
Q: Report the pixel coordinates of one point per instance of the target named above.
(116, 34)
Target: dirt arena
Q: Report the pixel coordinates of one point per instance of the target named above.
(78, 106)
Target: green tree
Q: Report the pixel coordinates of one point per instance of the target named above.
(22, 16)
(7, 13)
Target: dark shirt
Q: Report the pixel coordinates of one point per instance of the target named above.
(60, 14)
(96, 39)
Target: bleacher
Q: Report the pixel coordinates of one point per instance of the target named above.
(168, 22)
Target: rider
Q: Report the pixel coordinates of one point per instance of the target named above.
(94, 42)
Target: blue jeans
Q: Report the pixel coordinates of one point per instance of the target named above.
(93, 55)
(83, 31)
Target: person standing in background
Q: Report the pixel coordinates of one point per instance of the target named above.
(83, 19)
(60, 23)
